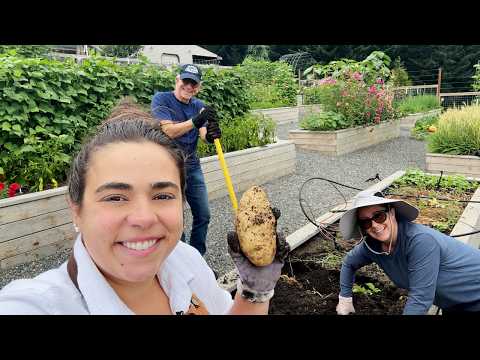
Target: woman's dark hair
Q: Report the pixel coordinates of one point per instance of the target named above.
(126, 123)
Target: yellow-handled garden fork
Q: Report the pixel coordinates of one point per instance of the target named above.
(228, 180)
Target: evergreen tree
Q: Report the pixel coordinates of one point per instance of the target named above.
(121, 51)
(231, 54)
(258, 52)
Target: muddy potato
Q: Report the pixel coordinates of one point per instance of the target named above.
(256, 228)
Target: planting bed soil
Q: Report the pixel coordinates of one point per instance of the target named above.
(439, 208)
(310, 284)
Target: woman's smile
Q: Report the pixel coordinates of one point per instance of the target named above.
(140, 247)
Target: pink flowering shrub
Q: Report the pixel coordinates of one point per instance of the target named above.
(359, 103)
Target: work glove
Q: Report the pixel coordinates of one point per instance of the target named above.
(257, 283)
(345, 305)
(203, 116)
(213, 131)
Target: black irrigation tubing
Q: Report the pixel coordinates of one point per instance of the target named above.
(300, 200)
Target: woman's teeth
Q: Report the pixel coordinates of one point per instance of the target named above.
(139, 245)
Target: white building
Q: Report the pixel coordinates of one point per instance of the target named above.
(179, 54)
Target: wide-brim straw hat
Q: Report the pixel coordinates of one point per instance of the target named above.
(348, 223)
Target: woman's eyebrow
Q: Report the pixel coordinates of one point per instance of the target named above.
(164, 184)
(114, 185)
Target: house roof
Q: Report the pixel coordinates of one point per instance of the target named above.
(182, 49)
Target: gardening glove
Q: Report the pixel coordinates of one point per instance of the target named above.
(206, 114)
(257, 283)
(345, 305)
(213, 131)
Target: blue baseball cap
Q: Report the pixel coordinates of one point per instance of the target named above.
(190, 71)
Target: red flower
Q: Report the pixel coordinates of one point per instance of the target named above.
(12, 189)
(2, 186)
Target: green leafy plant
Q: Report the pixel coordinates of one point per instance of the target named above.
(369, 289)
(417, 104)
(424, 127)
(324, 120)
(399, 75)
(458, 132)
(270, 84)
(421, 180)
(226, 91)
(28, 51)
(39, 164)
(373, 67)
(243, 132)
(48, 106)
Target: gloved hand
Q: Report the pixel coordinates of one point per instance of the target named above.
(345, 305)
(256, 283)
(203, 116)
(213, 131)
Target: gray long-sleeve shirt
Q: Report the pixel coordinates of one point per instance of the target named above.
(433, 267)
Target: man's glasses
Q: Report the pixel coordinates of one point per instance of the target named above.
(379, 217)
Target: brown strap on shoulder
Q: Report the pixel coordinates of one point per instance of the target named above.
(196, 307)
(72, 270)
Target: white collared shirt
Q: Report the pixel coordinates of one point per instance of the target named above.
(184, 272)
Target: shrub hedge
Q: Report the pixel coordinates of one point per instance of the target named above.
(48, 106)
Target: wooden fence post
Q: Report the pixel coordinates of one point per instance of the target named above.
(439, 82)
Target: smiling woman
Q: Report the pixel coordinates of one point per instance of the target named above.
(126, 193)
(435, 268)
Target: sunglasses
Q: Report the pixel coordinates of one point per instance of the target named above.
(379, 217)
(190, 82)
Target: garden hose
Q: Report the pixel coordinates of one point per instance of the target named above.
(228, 180)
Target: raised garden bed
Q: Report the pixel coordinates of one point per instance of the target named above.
(344, 141)
(39, 224)
(408, 122)
(453, 164)
(286, 115)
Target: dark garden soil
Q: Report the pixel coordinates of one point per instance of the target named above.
(310, 284)
(314, 290)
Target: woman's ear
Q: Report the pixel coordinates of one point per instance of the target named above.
(75, 210)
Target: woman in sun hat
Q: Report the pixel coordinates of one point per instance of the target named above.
(435, 268)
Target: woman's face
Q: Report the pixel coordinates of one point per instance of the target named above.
(132, 216)
(379, 231)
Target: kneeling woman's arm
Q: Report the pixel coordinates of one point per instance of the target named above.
(354, 260)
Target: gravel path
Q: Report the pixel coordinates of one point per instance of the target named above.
(351, 169)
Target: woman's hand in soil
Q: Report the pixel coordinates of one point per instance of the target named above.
(345, 305)
(256, 283)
